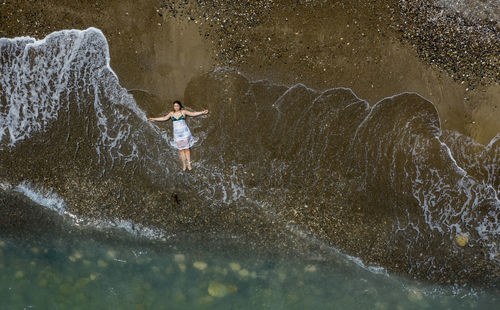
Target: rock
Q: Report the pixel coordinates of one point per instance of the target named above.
(179, 258)
(200, 265)
(111, 254)
(217, 289)
(19, 274)
(182, 267)
(180, 297)
(462, 239)
(243, 273)
(414, 295)
(234, 266)
(310, 268)
(220, 270)
(102, 263)
(169, 270)
(380, 306)
(205, 300)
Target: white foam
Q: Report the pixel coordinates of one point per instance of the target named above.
(52, 201)
(43, 197)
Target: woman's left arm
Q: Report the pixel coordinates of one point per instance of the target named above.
(189, 113)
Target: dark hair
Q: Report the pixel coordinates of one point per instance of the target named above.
(179, 103)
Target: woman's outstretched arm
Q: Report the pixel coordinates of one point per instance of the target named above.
(189, 113)
(163, 118)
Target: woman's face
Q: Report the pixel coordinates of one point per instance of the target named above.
(177, 107)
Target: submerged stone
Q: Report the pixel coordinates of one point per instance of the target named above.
(217, 289)
(243, 273)
(200, 265)
(205, 300)
(180, 297)
(182, 267)
(169, 270)
(380, 306)
(414, 295)
(19, 274)
(179, 258)
(43, 283)
(77, 255)
(234, 266)
(310, 268)
(220, 270)
(102, 263)
(111, 254)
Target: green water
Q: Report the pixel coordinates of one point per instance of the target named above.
(75, 272)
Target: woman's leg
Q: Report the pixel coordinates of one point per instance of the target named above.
(187, 153)
(183, 159)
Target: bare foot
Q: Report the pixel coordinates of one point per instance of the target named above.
(184, 168)
(189, 166)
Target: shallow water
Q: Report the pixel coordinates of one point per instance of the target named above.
(125, 273)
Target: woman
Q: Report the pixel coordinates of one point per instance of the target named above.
(182, 135)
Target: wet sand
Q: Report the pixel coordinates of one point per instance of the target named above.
(376, 48)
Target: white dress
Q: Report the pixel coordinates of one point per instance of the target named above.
(182, 135)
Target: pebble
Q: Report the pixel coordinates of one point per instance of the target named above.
(310, 268)
(244, 273)
(102, 263)
(206, 300)
(222, 271)
(179, 258)
(414, 295)
(111, 254)
(462, 240)
(200, 265)
(217, 289)
(19, 274)
(169, 270)
(234, 266)
(182, 267)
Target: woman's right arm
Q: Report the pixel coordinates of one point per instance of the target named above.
(163, 118)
